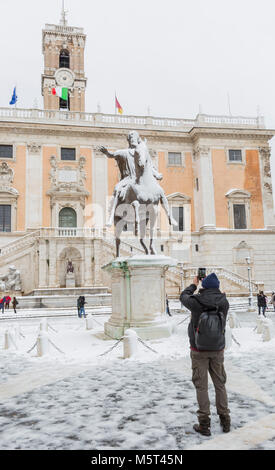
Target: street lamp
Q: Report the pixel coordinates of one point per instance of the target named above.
(249, 281)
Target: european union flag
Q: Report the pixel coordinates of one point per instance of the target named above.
(14, 96)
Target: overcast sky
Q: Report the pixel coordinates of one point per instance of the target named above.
(170, 55)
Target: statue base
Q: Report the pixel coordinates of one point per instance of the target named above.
(138, 296)
(70, 280)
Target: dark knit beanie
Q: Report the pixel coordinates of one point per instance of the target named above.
(211, 282)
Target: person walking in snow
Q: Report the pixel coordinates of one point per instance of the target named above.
(81, 303)
(7, 302)
(14, 304)
(261, 300)
(167, 307)
(207, 355)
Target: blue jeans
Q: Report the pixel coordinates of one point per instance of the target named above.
(81, 311)
(261, 308)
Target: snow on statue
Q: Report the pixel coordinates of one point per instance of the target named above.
(138, 193)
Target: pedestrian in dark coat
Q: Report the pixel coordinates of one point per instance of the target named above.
(207, 361)
(81, 309)
(272, 301)
(261, 298)
(14, 304)
(167, 307)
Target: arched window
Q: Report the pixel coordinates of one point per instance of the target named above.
(64, 59)
(67, 217)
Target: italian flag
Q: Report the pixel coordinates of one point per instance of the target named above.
(61, 92)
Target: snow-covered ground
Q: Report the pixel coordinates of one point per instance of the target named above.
(78, 397)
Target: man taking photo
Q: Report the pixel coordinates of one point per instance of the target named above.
(206, 332)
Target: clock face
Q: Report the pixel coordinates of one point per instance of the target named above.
(64, 77)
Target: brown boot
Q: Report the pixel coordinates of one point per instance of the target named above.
(225, 422)
(203, 427)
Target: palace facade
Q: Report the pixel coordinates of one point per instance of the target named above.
(55, 186)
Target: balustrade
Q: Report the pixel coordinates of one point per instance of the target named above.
(106, 120)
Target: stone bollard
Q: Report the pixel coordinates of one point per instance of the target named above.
(10, 341)
(233, 320)
(228, 338)
(130, 343)
(259, 324)
(43, 325)
(267, 330)
(89, 323)
(42, 343)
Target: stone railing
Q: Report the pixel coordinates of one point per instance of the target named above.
(63, 29)
(231, 121)
(125, 121)
(188, 272)
(72, 232)
(21, 243)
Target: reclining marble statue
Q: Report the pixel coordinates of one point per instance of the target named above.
(11, 281)
(138, 193)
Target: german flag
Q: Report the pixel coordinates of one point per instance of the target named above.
(118, 107)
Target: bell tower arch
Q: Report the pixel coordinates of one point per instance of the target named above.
(63, 49)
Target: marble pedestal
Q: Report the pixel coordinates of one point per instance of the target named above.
(138, 296)
(70, 280)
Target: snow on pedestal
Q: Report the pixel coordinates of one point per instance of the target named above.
(267, 329)
(130, 343)
(138, 296)
(42, 343)
(89, 323)
(43, 325)
(233, 320)
(10, 341)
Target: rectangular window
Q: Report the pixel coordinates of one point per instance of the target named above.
(197, 184)
(239, 216)
(6, 151)
(235, 155)
(5, 218)
(174, 158)
(68, 153)
(178, 215)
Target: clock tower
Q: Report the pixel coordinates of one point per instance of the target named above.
(63, 50)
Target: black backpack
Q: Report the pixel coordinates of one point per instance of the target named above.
(210, 332)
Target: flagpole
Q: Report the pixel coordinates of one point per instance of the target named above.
(115, 101)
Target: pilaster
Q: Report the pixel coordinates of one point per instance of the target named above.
(205, 197)
(268, 205)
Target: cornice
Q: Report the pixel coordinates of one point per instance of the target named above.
(217, 132)
(155, 135)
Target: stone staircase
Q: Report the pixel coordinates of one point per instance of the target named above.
(230, 282)
(10, 250)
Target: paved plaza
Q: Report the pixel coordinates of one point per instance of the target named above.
(83, 395)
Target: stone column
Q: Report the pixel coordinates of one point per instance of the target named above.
(33, 186)
(205, 198)
(42, 263)
(52, 263)
(88, 262)
(100, 185)
(138, 296)
(268, 207)
(98, 261)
